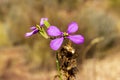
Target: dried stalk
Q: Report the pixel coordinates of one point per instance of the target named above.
(67, 62)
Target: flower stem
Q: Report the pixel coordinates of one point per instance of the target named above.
(58, 66)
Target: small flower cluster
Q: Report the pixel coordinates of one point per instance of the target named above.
(36, 29)
(53, 31)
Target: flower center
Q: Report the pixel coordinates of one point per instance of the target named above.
(65, 34)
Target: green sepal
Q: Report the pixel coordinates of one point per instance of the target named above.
(47, 24)
(42, 32)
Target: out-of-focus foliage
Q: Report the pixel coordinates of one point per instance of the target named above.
(101, 23)
(115, 5)
(4, 40)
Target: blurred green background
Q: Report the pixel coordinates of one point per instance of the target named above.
(98, 20)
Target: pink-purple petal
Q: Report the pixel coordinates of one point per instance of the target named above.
(53, 31)
(33, 28)
(35, 31)
(42, 21)
(78, 39)
(28, 34)
(56, 43)
(73, 27)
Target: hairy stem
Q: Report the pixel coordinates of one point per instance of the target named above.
(67, 62)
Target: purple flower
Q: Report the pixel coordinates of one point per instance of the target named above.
(42, 21)
(34, 31)
(55, 32)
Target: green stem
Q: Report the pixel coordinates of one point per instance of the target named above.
(58, 66)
